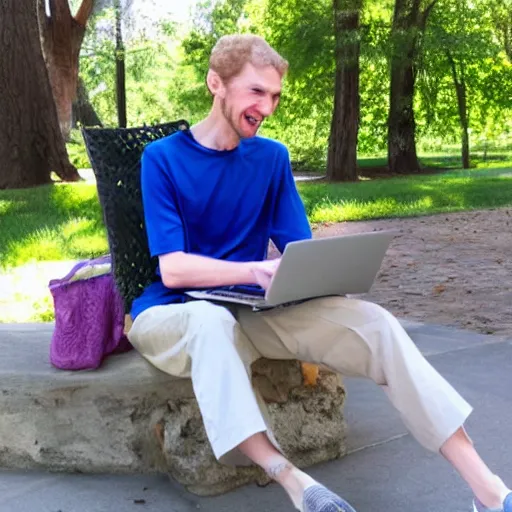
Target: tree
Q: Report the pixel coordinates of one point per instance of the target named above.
(502, 15)
(62, 36)
(459, 81)
(120, 68)
(322, 40)
(31, 144)
(303, 32)
(83, 111)
(460, 48)
(342, 153)
(409, 22)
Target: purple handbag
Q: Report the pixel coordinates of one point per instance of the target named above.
(89, 318)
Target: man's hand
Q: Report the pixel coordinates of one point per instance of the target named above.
(264, 271)
(182, 270)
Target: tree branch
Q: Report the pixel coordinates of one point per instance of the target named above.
(453, 67)
(507, 39)
(415, 9)
(84, 12)
(426, 14)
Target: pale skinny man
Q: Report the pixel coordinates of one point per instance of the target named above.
(213, 197)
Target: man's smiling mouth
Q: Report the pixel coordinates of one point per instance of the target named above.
(252, 120)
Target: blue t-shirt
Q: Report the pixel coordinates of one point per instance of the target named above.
(222, 204)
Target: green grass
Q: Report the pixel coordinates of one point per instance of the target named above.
(76, 151)
(47, 223)
(407, 196)
(64, 222)
(450, 161)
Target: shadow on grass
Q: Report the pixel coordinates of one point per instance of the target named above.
(441, 161)
(434, 163)
(60, 222)
(51, 222)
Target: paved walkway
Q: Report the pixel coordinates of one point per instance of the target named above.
(386, 469)
(88, 175)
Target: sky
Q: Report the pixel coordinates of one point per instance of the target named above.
(146, 12)
(180, 8)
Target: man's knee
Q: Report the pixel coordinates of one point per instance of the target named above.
(356, 311)
(381, 314)
(374, 323)
(389, 337)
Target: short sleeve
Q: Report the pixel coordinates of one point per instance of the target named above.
(164, 225)
(289, 222)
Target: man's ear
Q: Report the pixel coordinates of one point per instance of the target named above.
(215, 84)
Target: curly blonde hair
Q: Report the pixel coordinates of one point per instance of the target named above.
(233, 52)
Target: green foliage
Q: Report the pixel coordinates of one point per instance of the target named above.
(76, 151)
(166, 73)
(155, 80)
(464, 31)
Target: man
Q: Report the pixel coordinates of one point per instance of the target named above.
(213, 197)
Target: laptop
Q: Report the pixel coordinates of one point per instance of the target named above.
(319, 267)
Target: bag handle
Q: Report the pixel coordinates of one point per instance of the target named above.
(63, 280)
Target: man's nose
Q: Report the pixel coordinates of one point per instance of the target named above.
(266, 107)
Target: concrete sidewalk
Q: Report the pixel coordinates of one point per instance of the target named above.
(386, 469)
(88, 175)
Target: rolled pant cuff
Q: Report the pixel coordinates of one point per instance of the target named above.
(450, 429)
(223, 446)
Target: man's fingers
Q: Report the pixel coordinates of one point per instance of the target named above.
(264, 272)
(262, 278)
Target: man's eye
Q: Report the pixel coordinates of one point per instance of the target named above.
(257, 91)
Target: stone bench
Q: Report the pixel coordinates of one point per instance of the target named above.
(128, 417)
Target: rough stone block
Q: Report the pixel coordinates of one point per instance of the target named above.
(128, 417)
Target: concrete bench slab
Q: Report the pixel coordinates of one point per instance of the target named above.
(107, 420)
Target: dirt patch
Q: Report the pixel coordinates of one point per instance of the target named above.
(452, 269)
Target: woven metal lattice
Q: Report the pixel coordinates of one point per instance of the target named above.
(115, 155)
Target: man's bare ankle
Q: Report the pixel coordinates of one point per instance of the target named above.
(279, 471)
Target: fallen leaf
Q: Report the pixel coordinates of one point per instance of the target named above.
(440, 288)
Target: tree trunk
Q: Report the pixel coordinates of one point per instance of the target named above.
(62, 36)
(402, 156)
(507, 37)
(466, 164)
(342, 153)
(83, 111)
(504, 26)
(31, 144)
(409, 23)
(120, 69)
(460, 87)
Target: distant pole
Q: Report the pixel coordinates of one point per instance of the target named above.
(120, 69)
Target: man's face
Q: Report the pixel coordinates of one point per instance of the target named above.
(250, 97)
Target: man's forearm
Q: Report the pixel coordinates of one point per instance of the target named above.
(182, 270)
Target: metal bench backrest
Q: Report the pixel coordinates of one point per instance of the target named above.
(115, 155)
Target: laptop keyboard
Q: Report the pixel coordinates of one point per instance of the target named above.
(236, 295)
